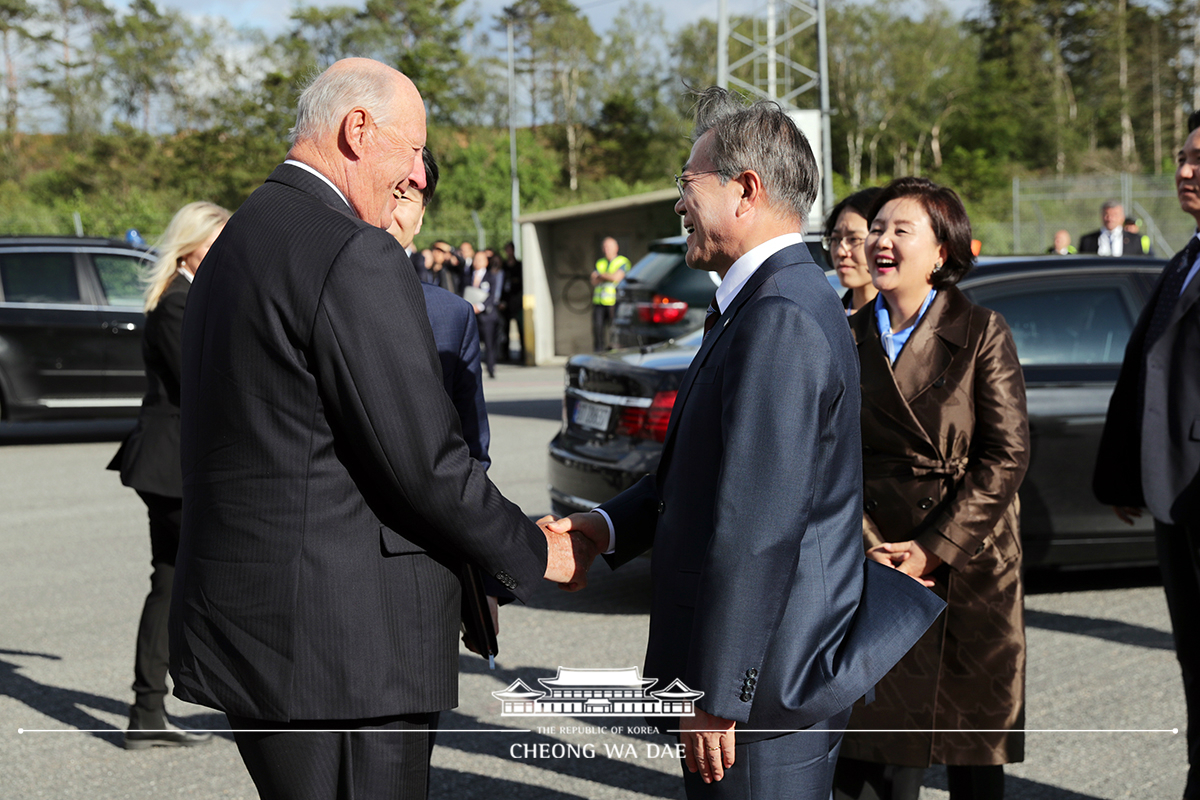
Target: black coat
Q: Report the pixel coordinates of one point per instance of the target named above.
(328, 495)
(1157, 465)
(149, 457)
(1131, 243)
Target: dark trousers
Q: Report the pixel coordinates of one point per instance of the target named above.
(517, 313)
(795, 766)
(867, 780)
(489, 332)
(1179, 561)
(359, 759)
(151, 657)
(602, 317)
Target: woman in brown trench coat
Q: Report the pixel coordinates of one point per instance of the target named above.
(945, 447)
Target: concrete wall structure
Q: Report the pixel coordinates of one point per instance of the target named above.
(559, 249)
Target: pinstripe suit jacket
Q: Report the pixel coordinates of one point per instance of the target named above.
(327, 491)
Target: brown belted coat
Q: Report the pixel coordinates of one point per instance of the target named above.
(945, 447)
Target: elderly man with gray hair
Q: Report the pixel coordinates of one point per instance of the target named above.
(328, 494)
(763, 599)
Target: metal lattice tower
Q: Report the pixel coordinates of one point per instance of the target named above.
(768, 70)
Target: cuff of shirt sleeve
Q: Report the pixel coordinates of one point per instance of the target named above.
(612, 532)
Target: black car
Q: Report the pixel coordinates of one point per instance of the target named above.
(70, 328)
(1070, 317)
(662, 298)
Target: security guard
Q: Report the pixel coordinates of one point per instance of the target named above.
(610, 270)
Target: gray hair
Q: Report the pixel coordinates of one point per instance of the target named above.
(1107, 204)
(762, 138)
(327, 100)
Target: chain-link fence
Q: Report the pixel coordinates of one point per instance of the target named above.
(1043, 206)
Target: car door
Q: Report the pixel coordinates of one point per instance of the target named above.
(1070, 331)
(122, 318)
(51, 342)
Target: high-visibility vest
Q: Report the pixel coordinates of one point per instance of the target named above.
(606, 293)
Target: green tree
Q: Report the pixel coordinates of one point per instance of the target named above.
(142, 50)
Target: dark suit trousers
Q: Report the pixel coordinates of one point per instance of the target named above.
(602, 318)
(1179, 560)
(489, 331)
(151, 658)
(795, 766)
(360, 759)
(867, 780)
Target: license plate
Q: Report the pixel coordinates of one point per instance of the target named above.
(625, 311)
(592, 415)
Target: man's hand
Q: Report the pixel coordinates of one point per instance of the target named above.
(1127, 514)
(909, 557)
(569, 554)
(708, 743)
(590, 524)
(596, 278)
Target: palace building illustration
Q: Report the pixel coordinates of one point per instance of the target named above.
(598, 692)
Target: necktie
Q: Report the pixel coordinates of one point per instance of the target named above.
(1169, 296)
(710, 318)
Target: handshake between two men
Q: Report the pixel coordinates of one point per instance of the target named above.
(572, 544)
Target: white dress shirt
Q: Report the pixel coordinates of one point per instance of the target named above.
(307, 168)
(1112, 243)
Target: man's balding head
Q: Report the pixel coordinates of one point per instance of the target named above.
(361, 124)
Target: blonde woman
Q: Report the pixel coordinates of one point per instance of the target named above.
(149, 462)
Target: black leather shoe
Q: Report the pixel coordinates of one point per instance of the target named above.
(168, 736)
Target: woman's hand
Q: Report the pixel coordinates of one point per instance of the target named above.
(909, 557)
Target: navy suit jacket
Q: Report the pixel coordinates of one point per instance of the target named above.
(1157, 464)
(1131, 243)
(762, 596)
(328, 498)
(456, 337)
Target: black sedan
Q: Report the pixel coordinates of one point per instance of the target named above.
(1070, 317)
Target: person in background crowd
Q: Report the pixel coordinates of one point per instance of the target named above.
(442, 268)
(1149, 453)
(1132, 227)
(149, 463)
(845, 235)
(1111, 239)
(487, 281)
(466, 262)
(610, 270)
(513, 303)
(945, 439)
(1062, 244)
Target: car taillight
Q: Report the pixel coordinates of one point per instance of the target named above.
(648, 423)
(662, 310)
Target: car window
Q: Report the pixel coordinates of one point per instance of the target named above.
(120, 277)
(1063, 322)
(655, 266)
(39, 278)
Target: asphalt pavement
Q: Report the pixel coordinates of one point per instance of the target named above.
(1103, 682)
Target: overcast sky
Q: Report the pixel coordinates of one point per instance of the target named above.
(272, 15)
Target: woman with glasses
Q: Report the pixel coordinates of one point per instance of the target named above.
(844, 236)
(945, 438)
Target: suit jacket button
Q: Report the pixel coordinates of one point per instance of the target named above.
(506, 579)
(662, 507)
(752, 673)
(979, 550)
(940, 382)
(746, 697)
(870, 505)
(750, 682)
(925, 504)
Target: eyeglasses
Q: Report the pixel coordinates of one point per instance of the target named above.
(682, 180)
(832, 243)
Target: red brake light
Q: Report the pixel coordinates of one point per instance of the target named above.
(662, 310)
(648, 423)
